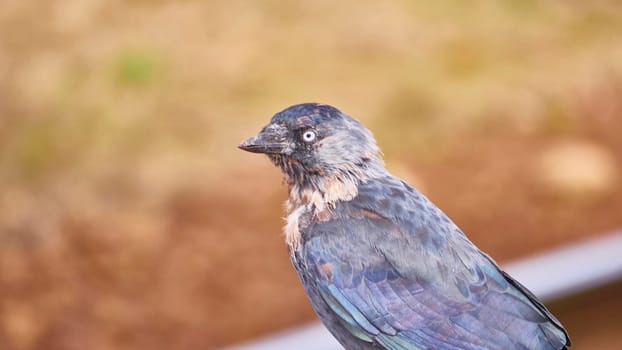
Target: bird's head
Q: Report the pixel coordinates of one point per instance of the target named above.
(314, 143)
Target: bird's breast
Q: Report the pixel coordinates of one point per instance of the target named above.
(311, 205)
(292, 226)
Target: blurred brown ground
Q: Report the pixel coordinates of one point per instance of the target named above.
(129, 220)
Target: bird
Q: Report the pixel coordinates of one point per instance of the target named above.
(383, 267)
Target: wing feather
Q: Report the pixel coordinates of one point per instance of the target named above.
(414, 281)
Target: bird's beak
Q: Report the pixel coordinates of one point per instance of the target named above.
(272, 140)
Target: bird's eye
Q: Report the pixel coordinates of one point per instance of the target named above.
(308, 136)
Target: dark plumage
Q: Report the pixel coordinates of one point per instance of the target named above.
(383, 267)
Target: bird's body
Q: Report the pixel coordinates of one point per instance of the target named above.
(385, 268)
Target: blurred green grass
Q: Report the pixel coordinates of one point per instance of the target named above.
(138, 68)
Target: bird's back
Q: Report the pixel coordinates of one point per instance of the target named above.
(389, 270)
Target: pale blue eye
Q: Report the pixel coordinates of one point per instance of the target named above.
(308, 136)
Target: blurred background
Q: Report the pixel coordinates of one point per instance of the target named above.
(130, 220)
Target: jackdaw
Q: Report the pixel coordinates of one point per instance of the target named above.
(384, 267)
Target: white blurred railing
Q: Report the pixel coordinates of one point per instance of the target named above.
(551, 275)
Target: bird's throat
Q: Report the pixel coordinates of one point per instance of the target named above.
(323, 194)
(314, 203)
